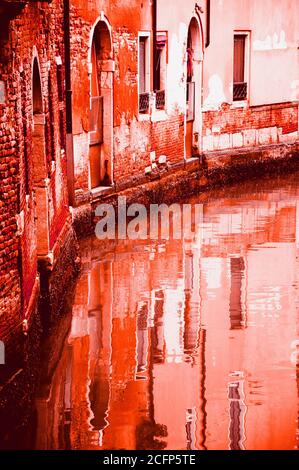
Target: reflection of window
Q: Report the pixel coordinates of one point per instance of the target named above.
(142, 341)
(144, 72)
(237, 412)
(191, 428)
(236, 307)
(240, 67)
(158, 336)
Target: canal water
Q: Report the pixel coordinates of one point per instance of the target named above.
(185, 344)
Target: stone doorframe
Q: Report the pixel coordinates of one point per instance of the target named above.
(101, 39)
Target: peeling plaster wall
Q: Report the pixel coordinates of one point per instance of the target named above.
(273, 70)
(274, 58)
(177, 24)
(134, 136)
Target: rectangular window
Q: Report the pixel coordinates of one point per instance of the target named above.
(239, 58)
(160, 69)
(142, 64)
(240, 67)
(144, 74)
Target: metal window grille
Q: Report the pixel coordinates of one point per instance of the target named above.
(160, 99)
(240, 91)
(143, 102)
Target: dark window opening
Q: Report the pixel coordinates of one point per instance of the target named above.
(160, 70)
(240, 84)
(143, 92)
(37, 90)
(189, 57)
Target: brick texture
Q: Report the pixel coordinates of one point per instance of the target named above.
(36, 31)
(241, 127)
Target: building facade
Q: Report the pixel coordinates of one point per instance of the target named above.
(100, 96)
(152, 91)
(35, 221)
(129, 84)
(251, 87)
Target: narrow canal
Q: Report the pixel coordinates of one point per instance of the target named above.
(185, 344)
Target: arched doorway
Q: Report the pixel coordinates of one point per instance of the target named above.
(39, 164)
(193, 90)
(101, 107)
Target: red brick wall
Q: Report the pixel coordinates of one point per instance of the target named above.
(131, 149)
(10, 293)
(134, 142)
(168, 138)
(38, 27)
(283, 115)
(249, 126)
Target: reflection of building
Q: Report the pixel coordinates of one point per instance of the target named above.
(184, 345)
(237, 410)
(248, 271)
(125, 337)
(235, 308)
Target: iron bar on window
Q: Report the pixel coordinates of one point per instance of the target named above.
(143, 102)
(160, 99)
(240, 91)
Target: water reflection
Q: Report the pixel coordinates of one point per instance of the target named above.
(185, 345)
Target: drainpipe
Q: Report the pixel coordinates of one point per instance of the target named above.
(68, 103)
(208, 32)
(154, 43)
